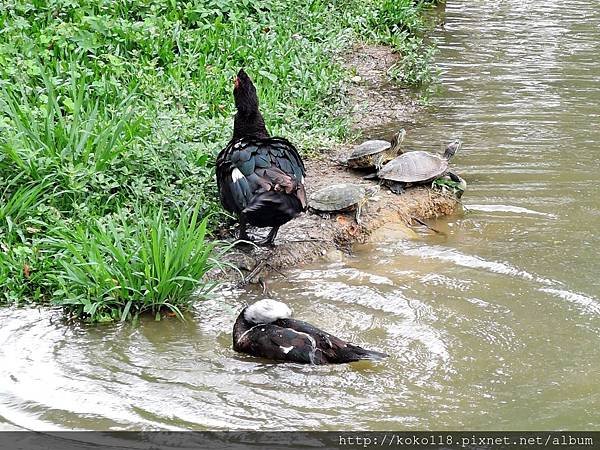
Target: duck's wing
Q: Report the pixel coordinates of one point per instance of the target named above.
(323, 340)
(285, 156)
(234, 189)
(250, 166)
(279, 343)
(329, 347)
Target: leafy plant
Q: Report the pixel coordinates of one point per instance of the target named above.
(116, 268)
(445, 184)
(416, 68)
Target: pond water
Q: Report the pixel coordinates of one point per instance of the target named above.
(494, 324)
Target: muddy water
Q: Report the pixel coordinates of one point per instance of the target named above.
(494, 324)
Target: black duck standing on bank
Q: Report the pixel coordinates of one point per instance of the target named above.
(266, 329)
(260, 178)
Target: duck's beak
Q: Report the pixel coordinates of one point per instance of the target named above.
(236, 82)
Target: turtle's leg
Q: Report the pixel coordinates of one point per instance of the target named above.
(270, 239)
(397, 187)
(454, 177)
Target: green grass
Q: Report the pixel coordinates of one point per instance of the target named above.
(112, 113)
(116, 268)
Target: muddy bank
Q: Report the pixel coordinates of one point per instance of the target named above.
(311, 236)
(373, 101)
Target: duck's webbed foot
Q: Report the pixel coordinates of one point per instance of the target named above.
(242, 233)
(270, 239)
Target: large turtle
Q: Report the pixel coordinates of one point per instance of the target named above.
(375, 153)
(342, 197)
(418, 167)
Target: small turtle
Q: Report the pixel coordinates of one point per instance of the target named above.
(375, 153)
(342, 197)
(418, 167)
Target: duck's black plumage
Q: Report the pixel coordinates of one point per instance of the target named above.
(287, 339)
(260, 178)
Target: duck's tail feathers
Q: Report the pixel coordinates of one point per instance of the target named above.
(362, 353)
(272, 208)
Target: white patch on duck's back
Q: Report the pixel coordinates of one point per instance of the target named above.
(286, 350)
(313, 343)
(236, 175)
(267, 311)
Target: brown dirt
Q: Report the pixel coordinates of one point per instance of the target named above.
(374, 101)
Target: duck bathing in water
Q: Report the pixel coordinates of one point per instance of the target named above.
(266, 329)
(260, 178)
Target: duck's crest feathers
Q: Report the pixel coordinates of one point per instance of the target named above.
(267, 311)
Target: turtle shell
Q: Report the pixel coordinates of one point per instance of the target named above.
(369, 154)
(369, 148)
(337, 197)
(414, 167)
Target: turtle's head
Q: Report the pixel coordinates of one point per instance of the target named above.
(397, 141)
(452, 148)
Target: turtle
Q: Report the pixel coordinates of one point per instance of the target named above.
(342, 197)
(418, 167)
(375, 153)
